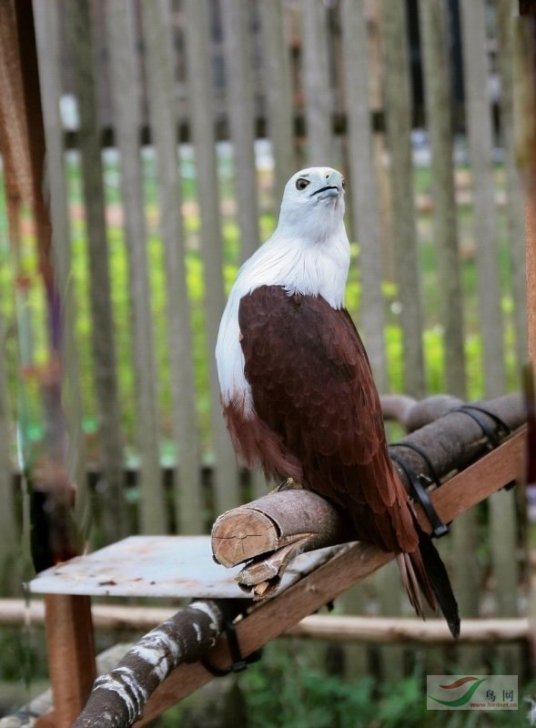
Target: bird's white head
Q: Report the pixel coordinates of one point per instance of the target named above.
(313, 203)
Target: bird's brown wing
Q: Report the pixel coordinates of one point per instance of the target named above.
(312, 384)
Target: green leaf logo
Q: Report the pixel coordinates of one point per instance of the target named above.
(473, 685)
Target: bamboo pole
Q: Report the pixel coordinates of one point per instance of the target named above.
(368, 629)
(387, 630)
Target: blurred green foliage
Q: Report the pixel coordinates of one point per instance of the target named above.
(286, 689)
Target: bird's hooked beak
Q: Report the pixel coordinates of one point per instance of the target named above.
(333, 188)
(328, 191)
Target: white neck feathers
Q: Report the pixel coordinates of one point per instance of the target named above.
(314, 268)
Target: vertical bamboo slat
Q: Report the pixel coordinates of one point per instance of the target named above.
(236, 27)
(438, 98)
(113, 511)
(398, 121)
(126, 100)
(188, 507)
(236, 19)
(9, 543)
(501, 506)
(387, 581)
(316, 85)
(276, 69)
(46, 20)
(466, 577)
(479, 130)
(514, 209)
(363, 188)
(226, 485)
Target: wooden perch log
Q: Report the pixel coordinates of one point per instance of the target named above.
(412, 414)
(269, 532)
(118, 698)
(455, 439)
(279, 520)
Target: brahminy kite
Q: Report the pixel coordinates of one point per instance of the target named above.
(297, 389)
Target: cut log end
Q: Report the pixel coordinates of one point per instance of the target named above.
(241, 535)
(295, 518)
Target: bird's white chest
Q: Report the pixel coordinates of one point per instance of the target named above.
(319, 270)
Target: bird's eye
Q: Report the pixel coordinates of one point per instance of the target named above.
(343, 184)
(302, 183)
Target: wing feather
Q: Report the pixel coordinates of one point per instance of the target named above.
(311, 383)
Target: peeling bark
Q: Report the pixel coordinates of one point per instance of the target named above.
(118, 697)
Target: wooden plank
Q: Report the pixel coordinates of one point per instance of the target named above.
(46, 18)
(514, 208)
(363, 185)
(124, 58)
(226, 481)
(475, 483)
(113, 507)
(236, 18)
(162, 111)
(157, 566)
(316, 85)
(71, 654)
(438, 98)
(277, 90)
(351, 565)
(480, 136)
(398, 113)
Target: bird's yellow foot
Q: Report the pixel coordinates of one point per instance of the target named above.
(288, 484)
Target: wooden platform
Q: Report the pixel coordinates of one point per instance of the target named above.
(157, 566)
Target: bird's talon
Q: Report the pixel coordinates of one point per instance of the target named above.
(288, 484)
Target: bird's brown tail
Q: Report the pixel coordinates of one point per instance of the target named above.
(424, 572)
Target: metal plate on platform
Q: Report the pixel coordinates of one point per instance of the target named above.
(157, 566)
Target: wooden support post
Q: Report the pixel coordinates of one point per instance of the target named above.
(71, 654)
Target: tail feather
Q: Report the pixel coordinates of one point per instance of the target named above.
(440, 582)
(412, 584)
(424, 571)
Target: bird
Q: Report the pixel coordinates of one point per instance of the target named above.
(297, 389)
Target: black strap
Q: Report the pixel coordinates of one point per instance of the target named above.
(424, 456)
(493, 436)
(418, 484)
(239, 663)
